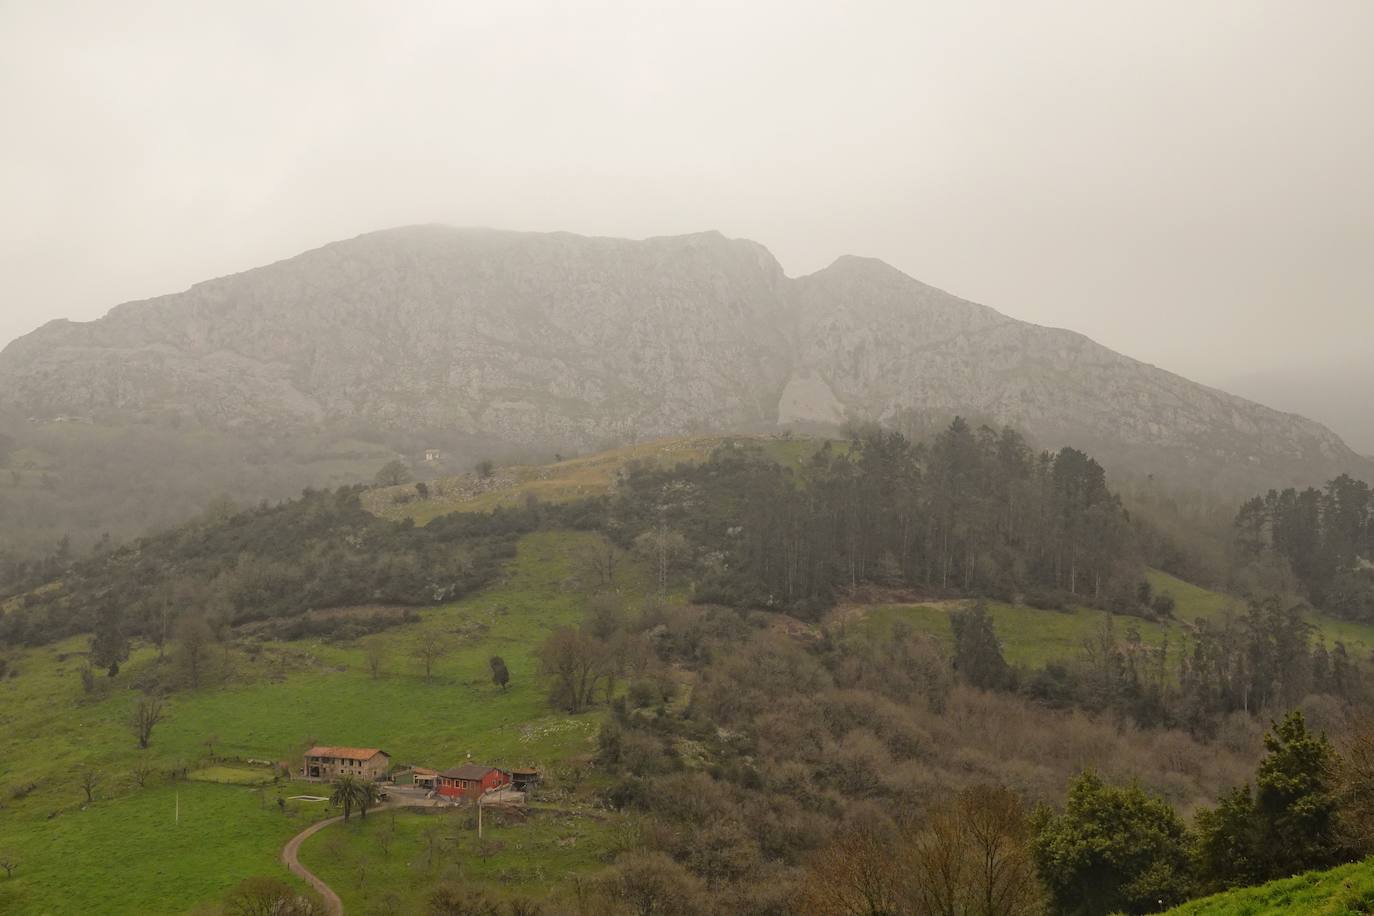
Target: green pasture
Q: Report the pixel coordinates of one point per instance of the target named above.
(1344, 891)
(1032, 637)
(279, 698)
(525, 855)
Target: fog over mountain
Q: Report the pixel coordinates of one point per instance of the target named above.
(559, 340)
(1336, 395)
(1183, 182)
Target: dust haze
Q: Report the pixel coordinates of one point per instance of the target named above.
(1185, 183)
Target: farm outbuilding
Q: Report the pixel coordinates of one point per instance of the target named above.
(423, 777)
(524, 779)
(471, 780)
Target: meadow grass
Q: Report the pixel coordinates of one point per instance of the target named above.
(526, 855)
(1344, 891)
(1032, 637)
(570, 479)
(232, 776)
(282, 697)
(1029, 636)
(119, 854)
(134, 854)
(562, 481)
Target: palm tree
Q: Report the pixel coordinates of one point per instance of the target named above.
(351, 792)
(367, 795)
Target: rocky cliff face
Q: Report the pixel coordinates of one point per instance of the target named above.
(556, 339)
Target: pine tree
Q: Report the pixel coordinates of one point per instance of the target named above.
(1295, 799)
(109, 646)
(500, 675)
(977, 653)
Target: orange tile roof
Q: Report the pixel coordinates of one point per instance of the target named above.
(467, 771)
(350, 753)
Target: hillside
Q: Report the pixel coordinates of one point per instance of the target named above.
(521, 345)
(321, 611)
(566, 480)
(1344, 891)
(265, 699)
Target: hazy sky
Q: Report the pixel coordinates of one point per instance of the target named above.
(1191, 183)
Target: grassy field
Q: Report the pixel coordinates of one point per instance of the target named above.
(511, 485)
(525, 855)
(233, 776)
(563, 481)
(288, 696)
(1344, 891)
(1033, 637)
(1029, 637)
(156, 851)
(128, 851)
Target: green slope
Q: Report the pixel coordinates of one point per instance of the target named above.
(1033, 637)
(125, 854)
(1344, 891)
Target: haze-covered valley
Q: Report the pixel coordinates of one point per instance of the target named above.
(660, 459)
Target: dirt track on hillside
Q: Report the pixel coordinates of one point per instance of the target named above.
(290, 856)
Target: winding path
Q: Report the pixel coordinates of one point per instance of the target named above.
(290, 856)
(290, 853)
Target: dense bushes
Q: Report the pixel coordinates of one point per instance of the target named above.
(804, 756)
(826, 766)
(322, 550)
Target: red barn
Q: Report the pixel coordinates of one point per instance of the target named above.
(471, 781)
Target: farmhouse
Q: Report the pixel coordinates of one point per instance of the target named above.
(470, 781)
(326, 763)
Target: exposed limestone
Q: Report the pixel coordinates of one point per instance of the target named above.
(557, 338)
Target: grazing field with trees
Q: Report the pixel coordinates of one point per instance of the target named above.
(783, 676)
(269, 700)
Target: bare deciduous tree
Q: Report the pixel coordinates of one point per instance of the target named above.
(148, 712)
(265, 896)
(9, 861)
(428, 653)
(652, 884)
(360, 870)
(576, 661)
(90, 780)
(856, 875)
(193, 636)
(385, 836)
(1355, 788)
(375, 655)
(969, 856)
(600, 560)
(973, 856)
(433, 843)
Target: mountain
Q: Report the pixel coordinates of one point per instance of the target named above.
(1336, 395)
(482, 339)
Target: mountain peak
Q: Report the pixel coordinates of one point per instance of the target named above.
(564, 340)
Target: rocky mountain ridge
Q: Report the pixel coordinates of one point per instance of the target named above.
(558, 340)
